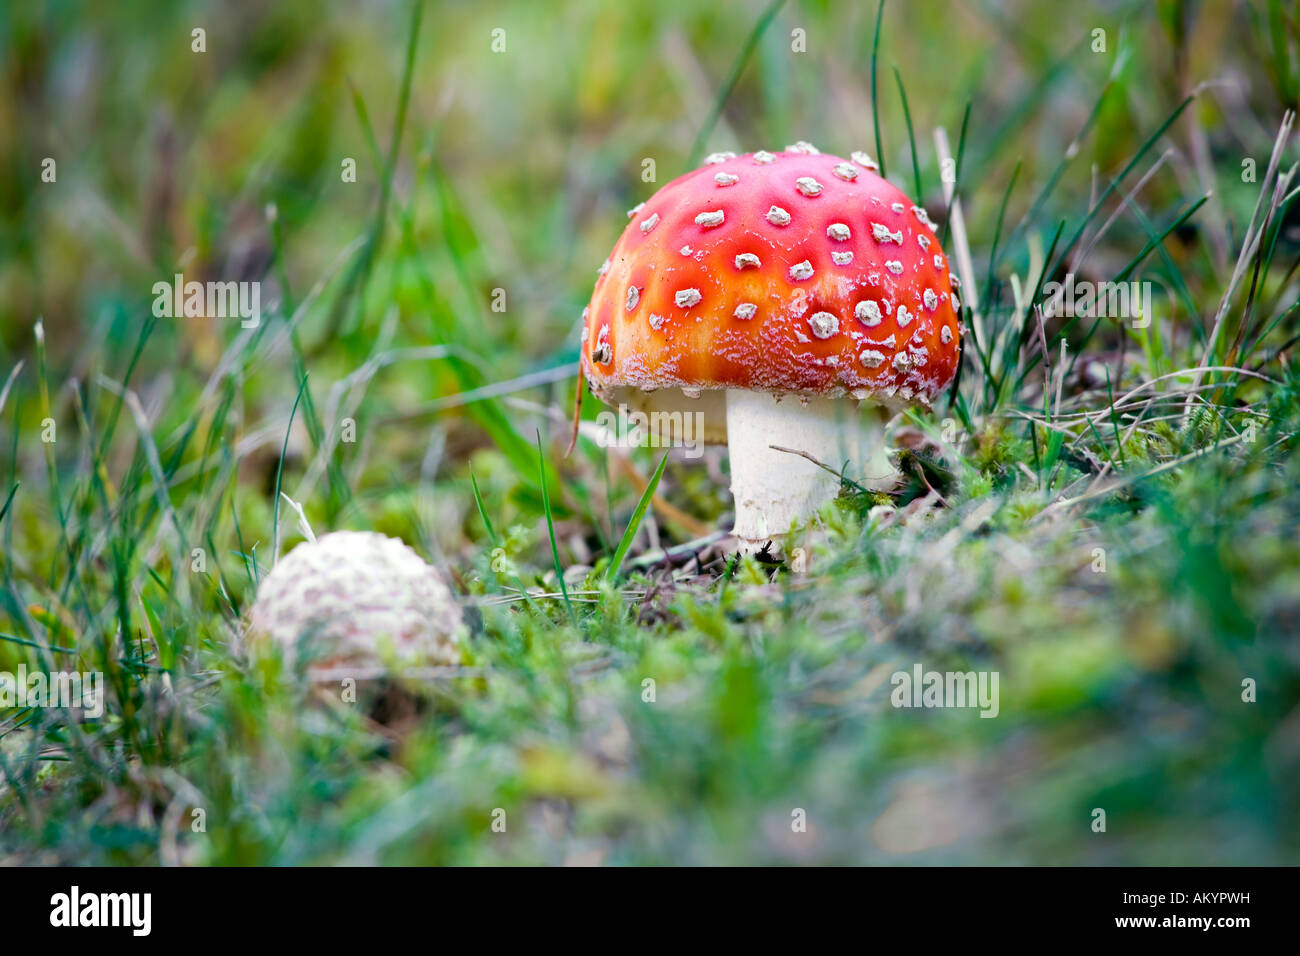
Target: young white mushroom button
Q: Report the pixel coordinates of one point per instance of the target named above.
(373, 603)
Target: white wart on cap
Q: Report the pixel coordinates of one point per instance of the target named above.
(357, 599)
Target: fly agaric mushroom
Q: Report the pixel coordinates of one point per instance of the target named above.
(764, 290)
(359, 601)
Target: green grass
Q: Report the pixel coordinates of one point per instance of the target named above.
(1111, 528)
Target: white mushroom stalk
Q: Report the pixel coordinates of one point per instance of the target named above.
(774, 489)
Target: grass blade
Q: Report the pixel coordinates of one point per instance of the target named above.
(4, 509)
(482, 511)
(634, 524)
(956, 174)
(875, 111)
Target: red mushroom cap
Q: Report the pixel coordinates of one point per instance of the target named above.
(787, 272)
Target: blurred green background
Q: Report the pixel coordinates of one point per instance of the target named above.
(515, 168)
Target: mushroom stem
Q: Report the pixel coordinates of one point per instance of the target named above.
(774, 489)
